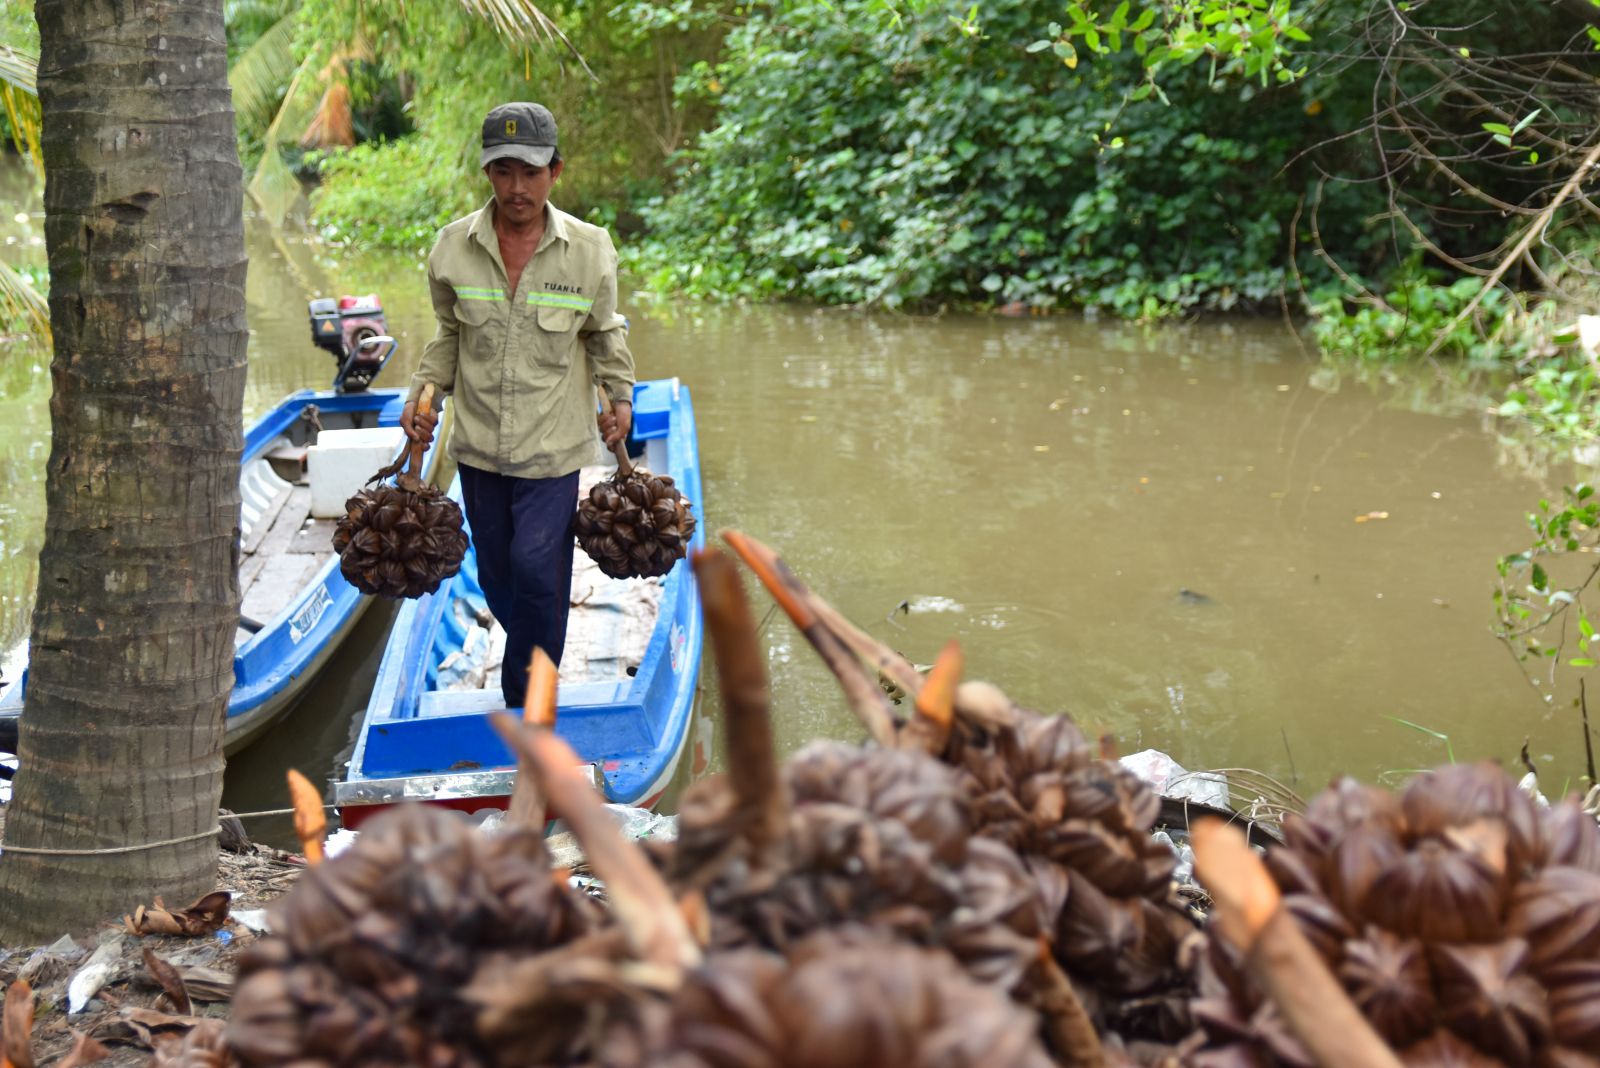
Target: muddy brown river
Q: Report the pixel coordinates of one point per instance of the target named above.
(1189, 536)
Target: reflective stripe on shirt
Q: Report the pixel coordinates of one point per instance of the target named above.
(561, 300)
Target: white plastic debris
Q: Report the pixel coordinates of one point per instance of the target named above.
(252, 919)
(1170, 779)
(1183, 872)
(66, 948)
(636, 823)
(642, 823)
(1529, 785)
(339, 841)
(88, 980)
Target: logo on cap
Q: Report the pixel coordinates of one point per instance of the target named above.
(511, 127)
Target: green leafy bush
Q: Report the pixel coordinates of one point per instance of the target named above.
(858, 161)
(394, 193)
(1419, 304)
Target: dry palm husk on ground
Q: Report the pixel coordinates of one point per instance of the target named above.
(401, 539)
(634, 524)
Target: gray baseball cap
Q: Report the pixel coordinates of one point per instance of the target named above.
(520, 131)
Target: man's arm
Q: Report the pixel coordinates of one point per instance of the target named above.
(439, 359)
(605, 335)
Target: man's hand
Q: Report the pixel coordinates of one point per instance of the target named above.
(614, 426)
(418, 427)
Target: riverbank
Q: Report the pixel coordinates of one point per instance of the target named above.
(111, 988)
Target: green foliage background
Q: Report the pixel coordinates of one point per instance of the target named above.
(858, 160)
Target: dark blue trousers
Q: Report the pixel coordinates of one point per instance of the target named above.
(522, 534)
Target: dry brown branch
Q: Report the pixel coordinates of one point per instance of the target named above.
(1534, 230)
(866, 699)
(1249, 912)
(310, 819)
(639, 899)
(746, 701)
(929, 729)
(526, 808)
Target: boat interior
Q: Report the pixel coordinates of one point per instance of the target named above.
(283, 544)
(608, 628)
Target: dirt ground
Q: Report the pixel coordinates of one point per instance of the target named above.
(130, 1012)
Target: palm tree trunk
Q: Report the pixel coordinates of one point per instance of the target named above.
(132, 647)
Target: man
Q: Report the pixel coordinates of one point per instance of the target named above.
(526, 299)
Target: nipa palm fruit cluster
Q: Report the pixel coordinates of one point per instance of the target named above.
(428, 944)
(941, 836)
(1083, 826)
(838, 999)
(635, 524)
(380, 944)
(1460, 917)
(872, 837)
(1032, 785)
(395, 542)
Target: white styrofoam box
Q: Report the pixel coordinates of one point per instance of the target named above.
(341, 461)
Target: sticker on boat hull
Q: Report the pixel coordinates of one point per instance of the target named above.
(676, 640)
(308, 616)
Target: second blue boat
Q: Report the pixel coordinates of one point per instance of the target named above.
(628, 677)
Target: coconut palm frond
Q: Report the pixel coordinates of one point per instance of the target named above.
(19, 69)
(260, 12)
(20, 300)
(273, 187)
(19, 98)
(522, 22)
(334, 122)
(260, 76)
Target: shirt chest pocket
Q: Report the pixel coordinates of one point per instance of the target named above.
(481, 314)
(558, 320)
(557, 328)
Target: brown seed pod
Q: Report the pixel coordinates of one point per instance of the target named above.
(1487, 997)
(396, 542)
(1389, 981)
(1570, 837)
(634, 525)
(1444, 1050)
(1558, 913)
(1324, 926)
(874, 837)
(1574, 989)
(376, 944)
(1438, 894)
(842, 1000)
(1344, 805)
(1361, 855)
(1458, 795)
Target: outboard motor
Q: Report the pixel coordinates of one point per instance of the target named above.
(341, 326)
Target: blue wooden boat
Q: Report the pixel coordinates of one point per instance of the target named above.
(628, 676)
(296, 607)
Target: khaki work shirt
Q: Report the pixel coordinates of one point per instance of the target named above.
(521, 369)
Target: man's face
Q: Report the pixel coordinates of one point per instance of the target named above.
(521, 189)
